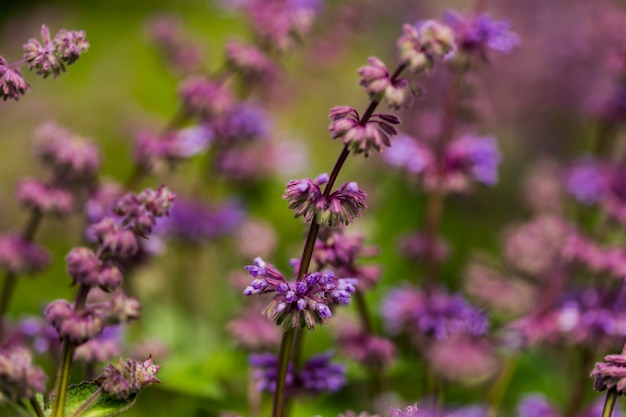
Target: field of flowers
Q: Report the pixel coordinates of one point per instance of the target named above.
(301, 208)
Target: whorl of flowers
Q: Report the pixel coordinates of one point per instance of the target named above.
(50, 56)
(610, 374)
(425, 43)
(19, 378)
(299, 303)
(12, 82)
(479, 33)
(124, 378)
(375, 134)
(378, 84)
(340, 207)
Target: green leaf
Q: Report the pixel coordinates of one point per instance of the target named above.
(105, 405)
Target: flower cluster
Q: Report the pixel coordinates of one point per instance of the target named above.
(125, 378)
(477, 33)
(18, 255)
(378, 83)
(359, 136)
(204, 98)
(317, 375)
(610, 374)
(425, 43)
(19, 378)
(340, 207)
(12, 82)
(250, 61)
(299, 303)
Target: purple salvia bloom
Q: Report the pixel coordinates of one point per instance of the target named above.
(336, 249)
(319, 375)
(102, 348)
(376, 80)
(588, 181)
(19, 378)
(250, 61)
(18, 255)
(44, 198)
(305, 198)
(409, 154)
(77, 327)
(536, 406)
(124, 378)
(424, 43)
(343, 206)
(358, 345)
(69, 45)
(374, 135)
(478, 156)
(12, 82)
(204, 98)
(245, 122)
(265, 372)
(477, 33)
(410, 411)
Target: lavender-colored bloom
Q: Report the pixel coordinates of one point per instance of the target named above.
(250, 61)
(50, 56)
(77, 158)
(368, 350)
(374, 135)
(409, 154)
(419, 246)
(196, 222)
(476, 364)
(44, 198)
(244, 122)
(336, 248)
(588, 181)
(478, 156)
(77, 327)
(102, 348)
(265, 372)
(204, 98)
(42, 336)
(410, 411)
(536, 405)
(424, 43)
(124, 378)
(17, 255)
(477, 33)
(254, 331)
(299, 303)
(12, 82)
(320, 375)
(376, 80)
(436, 314)
(19, 378)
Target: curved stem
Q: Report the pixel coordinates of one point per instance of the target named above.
(87, 403)
(278, 409)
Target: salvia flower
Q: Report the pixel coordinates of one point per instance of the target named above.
(44, 198)
(12, 82)
(410, 411)
(478, 156)
(250, 61)
(376, 80)
(102, 348)
(245, 122)
(125, 378)
(75, 326)
(424, 43)
(19, 378)
(375, 134)
(479, 33)
(50, 56)
(536, 405)
(610, 374)
(205, 98)
(299, 303)
(340, 207)
(588, 181)
(409, 154)
(318, 374)
(18, 255)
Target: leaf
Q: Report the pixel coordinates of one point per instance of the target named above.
(105, 405)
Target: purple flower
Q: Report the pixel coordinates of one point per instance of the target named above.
(254, 331)
(368, 350)
(44, 198)
(475, 365)
(12, 82)
(477, 33)
(424, 43)
(409, 154)
(250, 61)
(265, 372)
(124, 378)
(244, 122)
(378, 84)
(373, 135)
(299, 303)
(102, 348)
(478, 156)
(204, 98)
(536, 406)
(19, 378)
(410, 411)
(196, 222)
(17, 255)
(588, 181)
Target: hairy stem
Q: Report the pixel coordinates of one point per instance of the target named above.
(10, 278)
(278, 409)
(62, 380)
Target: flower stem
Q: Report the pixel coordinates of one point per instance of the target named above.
(286, 344)
(10, 279)
(36, 407)
(609, 403)
(62, 381)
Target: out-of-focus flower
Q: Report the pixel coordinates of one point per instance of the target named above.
(180, 52)
(536, 405)
(478, 156)
(409, 154)
(253, 330)
(368, 350)
(250, 61)
(102, 348)
(410, 411)
(17, 255)
(588, 181)
(44, 198)
(477, 33)
(19, 378)
(425, 43)
(542, 188)
(418, 246)
(256, 237)
(244, 122)
(463, 359)
(204, 98)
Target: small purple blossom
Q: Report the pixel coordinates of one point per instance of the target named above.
(44, 198)
(362, 138)
(19, 378)
(588, 181)
(12, 82)
(424, 43)
(410, 411)
(479, 156)
(376, 80)
(18, 255)
(204, 98)
(536, 405)
(124, 378)
(245, 122)
(407, 153)
(477, 33)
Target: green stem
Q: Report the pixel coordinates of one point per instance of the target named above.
(10, 278)
(499, 387)
(88, 402)
(609, 403)
(278, 409)
(63, 378)
(36, 407)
